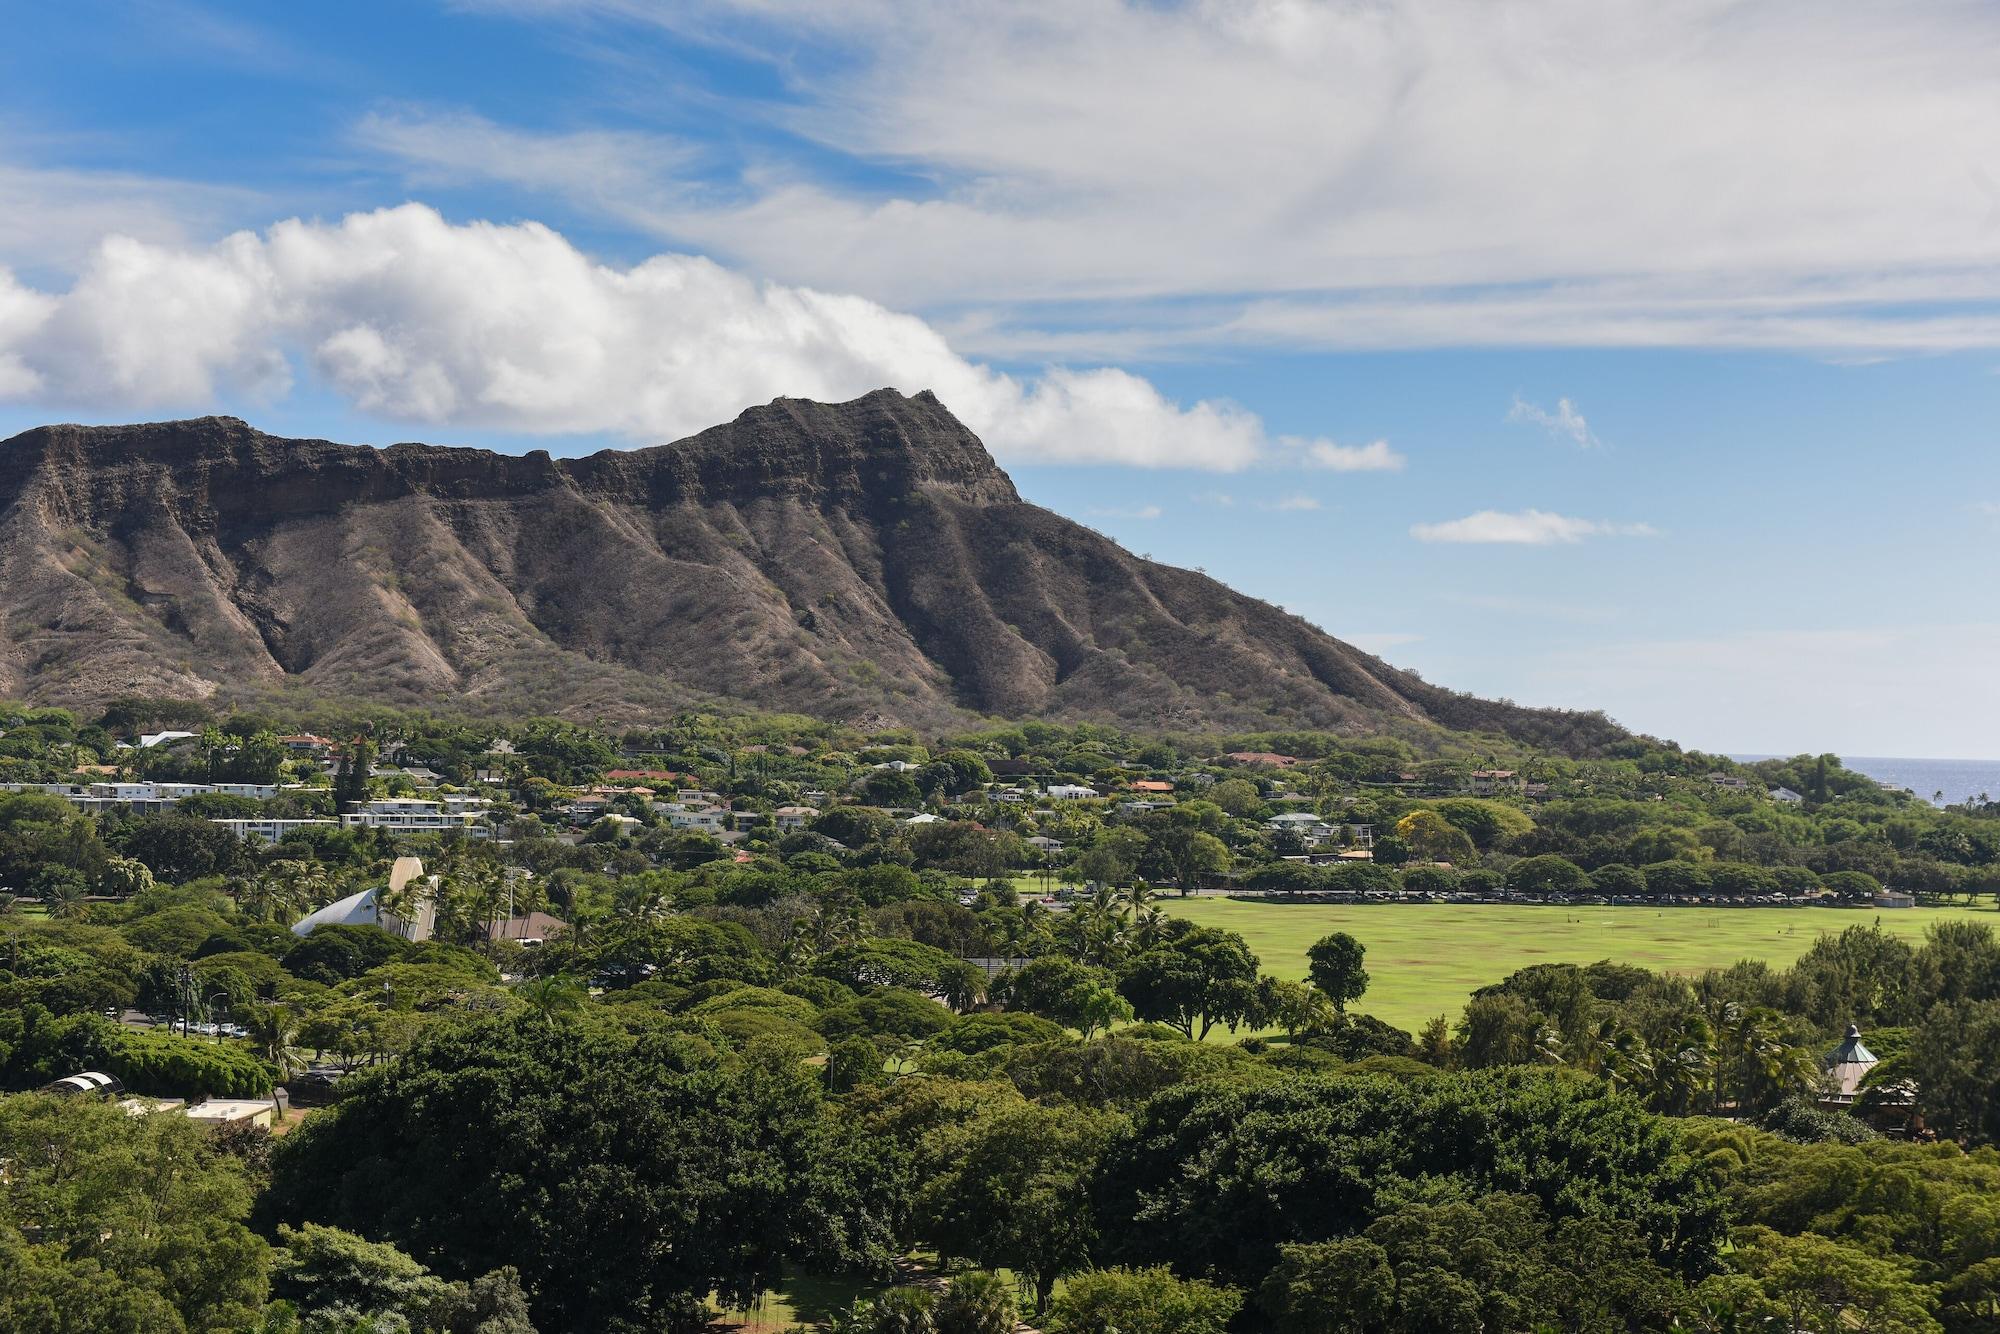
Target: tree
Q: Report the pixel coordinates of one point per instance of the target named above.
(1432, 838)
(1496, 1030)
(124, 876)
(908, 964)
(1011, 1189)
(1824, 1286)
(1073, 994)
(1187, 853)
(351, 779)
(1334, 964)
(1113, 858)
(1193, 980)
(1293, 1006)
(143, 1205)
(181, 847)
(892, 787)
(1494, 1261)
(679, 1169)
(1618, 880)
(1142, 1301)
(1330, 1287)
(954, 771)
(1547, 874)
(1237, 797)
(1955, 1061)
(1216, 1176)
(339, 1281)
(1675, 878)
(46, 1290)
(1489, 824)
(274, 1032)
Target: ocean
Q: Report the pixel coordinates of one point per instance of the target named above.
(1959, 780)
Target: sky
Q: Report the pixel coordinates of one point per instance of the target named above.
(1593, 354)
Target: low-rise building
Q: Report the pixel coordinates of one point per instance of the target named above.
(532, 929)
(272, 831)
(707, 819)
(410, 815)
(1262, 759)
(232, 1111)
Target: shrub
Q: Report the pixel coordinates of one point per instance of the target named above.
(1802, 1121)
(977, 1303)
(903, 1311)
(1142, 1301)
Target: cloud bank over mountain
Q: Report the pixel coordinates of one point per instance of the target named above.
(415, 318)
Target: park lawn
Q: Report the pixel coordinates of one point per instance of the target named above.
(1424, 959)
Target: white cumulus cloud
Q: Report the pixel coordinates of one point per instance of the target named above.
(1529, 527)
(417, 319)
(1564, 423)
(1375, 456)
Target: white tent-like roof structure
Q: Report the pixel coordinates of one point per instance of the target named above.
(90, 1082)
(365, 908)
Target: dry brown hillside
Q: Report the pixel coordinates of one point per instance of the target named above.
(863, 560)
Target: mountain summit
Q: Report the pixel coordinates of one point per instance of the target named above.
(864, 560)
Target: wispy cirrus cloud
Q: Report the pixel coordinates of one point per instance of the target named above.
(1398, 173)
(1530, 527)
(1564, 423)
(1128, 512)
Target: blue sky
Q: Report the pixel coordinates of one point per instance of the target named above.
(1598, 355)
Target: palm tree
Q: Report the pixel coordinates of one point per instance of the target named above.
(64, 896)
(552, 997)
(10, 914)
(1681, 1072)
(1106, 901)
(1615, 1053)
(1149, 929)
(1761, 1065)
(274, 1032)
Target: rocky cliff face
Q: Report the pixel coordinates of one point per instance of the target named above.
(863, 560)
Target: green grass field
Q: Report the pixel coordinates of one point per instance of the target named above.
(1425, 959)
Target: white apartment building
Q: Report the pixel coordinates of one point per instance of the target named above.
(407, 815)
(144, 798)
(708, 819)
(272, 831)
